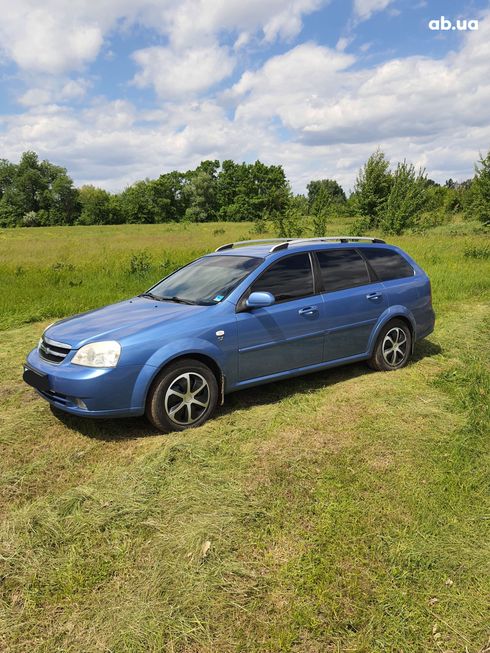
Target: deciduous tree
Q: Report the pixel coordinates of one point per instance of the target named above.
(372, 188)
(480, 205)
(406, 199)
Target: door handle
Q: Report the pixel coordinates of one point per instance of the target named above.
(309, 310)
(374, 295)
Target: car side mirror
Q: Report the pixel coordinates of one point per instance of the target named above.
(260, 300)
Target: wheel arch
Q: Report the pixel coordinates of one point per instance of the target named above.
(404, 318)
(206, 359)
(394, 313)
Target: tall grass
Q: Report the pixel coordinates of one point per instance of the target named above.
(53, 272)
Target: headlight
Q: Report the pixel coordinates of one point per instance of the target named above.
(98, 354)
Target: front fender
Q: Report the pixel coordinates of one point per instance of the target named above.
(387, 315)
(164, 355)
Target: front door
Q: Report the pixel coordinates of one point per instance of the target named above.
(289, 334)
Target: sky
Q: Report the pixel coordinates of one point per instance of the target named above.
(121, 90)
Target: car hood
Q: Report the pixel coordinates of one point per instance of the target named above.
(117, 321)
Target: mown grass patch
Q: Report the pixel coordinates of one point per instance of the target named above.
(362, 527)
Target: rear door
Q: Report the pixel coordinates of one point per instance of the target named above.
(402, 286)
(289, 334)
(353, 302)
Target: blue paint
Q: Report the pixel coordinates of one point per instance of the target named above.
(288, 338)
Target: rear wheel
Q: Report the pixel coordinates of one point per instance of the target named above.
(393, 347)
(184, 395)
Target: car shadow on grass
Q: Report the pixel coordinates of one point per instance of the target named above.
(122, 429)
(109, 430)
(425, 349)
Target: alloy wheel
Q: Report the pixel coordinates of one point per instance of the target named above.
(394, 346)
(187, 398)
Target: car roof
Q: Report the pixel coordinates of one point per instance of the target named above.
(264, 250)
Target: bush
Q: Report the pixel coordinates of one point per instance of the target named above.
(140, 263)
(372, 188)
(61, 266)
(259, 227)
(30, 219)
(406, 199)
(290, 223)
(480, 205)
(477, 252)
(430, 219)
(360, 226)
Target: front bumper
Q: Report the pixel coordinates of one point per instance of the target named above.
(92, 392)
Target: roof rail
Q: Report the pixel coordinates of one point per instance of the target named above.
(239, 243)
(326, 239)
(283, 243)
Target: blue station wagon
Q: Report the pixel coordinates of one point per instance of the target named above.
(251, 312)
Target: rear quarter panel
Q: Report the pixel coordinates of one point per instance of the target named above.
(412, 295)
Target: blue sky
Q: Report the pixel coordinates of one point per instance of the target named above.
(125, 89)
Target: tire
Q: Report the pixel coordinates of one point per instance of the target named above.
(184, 395)
(387, 357)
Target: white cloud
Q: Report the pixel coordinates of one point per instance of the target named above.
(343, 43)
(111, 144)
(48, 90)
(48, 37)
(434, 112)
(364, 9)
(35, 96)
(313, 93)
(290, 86)
(57, 36)
(74, 89)
(193, 22)
(365, 46)
(178, 74)
(242, 40)
(309, 109)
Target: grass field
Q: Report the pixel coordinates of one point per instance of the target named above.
(343, 511)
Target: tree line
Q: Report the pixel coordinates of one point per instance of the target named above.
(391, 199)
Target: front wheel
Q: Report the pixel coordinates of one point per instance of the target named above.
(184, 395)
(393, 347)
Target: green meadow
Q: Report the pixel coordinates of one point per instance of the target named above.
(343, 511)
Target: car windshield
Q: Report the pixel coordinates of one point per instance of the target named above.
(206, 281)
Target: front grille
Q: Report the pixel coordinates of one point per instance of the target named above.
(52, 351)
(55, 396)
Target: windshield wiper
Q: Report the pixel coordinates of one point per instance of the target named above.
(179, 300)
(151, 296)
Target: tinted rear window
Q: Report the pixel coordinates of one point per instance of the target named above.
(387, 264)
(342, 268)
(288, 278)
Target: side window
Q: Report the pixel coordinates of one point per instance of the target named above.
(387, 264)
(342, 268)
(289, 278)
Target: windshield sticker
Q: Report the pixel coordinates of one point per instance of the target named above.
(218, 298)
